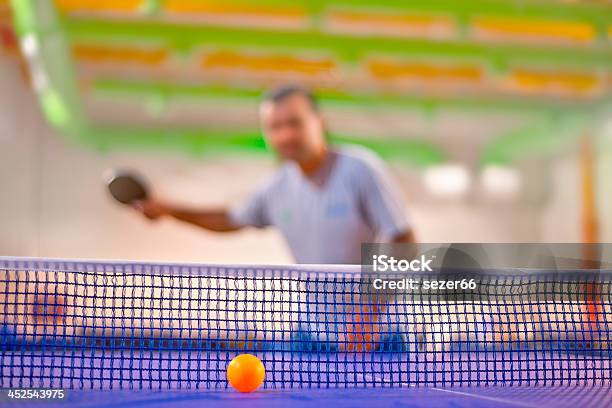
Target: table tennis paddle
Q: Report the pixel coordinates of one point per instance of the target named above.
(127, 187)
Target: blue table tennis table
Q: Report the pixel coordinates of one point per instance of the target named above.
(496, 396)
(87, 327)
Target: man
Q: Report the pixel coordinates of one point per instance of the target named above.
(324, 201)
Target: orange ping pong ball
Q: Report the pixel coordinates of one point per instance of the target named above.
(246, 373)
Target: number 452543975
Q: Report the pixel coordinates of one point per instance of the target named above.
(34, 393)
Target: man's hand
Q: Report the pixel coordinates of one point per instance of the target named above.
(406, 237)
(151, 209)
(363, 332)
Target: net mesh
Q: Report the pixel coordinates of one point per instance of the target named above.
(96, 325)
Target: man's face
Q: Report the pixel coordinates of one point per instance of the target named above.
(292, 127)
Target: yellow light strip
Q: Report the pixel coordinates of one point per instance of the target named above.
(217, 8)
(538, 80)
(421, 71)
(534, 29)
(69, 6)
(99, 53)
(268, 63)
(391, 20)
(369, 22)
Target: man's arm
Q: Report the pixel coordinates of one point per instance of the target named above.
(217, 220)
(383, 203)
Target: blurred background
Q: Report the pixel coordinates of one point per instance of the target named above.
(495, 115)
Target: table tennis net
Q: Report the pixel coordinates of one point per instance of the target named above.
(131, 325)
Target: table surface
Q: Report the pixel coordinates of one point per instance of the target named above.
(496, 396)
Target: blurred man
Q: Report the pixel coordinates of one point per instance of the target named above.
(325, 201)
